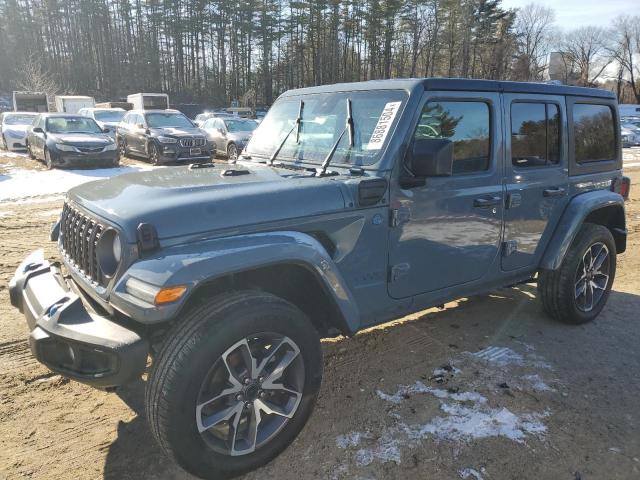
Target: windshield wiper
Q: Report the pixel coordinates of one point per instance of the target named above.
(295, 127)
(349, 127)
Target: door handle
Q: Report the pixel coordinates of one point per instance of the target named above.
(487, 202)
(553, 192)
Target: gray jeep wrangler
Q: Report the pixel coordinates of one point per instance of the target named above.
(351, 205)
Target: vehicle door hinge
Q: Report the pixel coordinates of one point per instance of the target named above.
(398, 216)
(397, 271)
(509, 247)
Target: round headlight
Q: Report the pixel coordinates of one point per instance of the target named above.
(117, 248)
(109, 252)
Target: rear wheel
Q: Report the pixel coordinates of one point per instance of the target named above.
(234, 384)
(578, 291)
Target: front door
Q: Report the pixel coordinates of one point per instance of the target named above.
(448, 231)
(536, 175)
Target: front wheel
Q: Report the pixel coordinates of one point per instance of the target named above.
(578, 291)
(30, 152)
(234, 384)
(154, 156)
(232, 152)
(48, 160)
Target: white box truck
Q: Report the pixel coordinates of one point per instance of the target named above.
(149, 101)
(30, 102)
(73, 103)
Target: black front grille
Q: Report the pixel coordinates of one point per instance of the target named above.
(90, 149)
(193, 142)
(79, 236)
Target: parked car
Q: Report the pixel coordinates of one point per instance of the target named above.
(162, 136)
(203, 117)
(64, 140)
(229, 135)
(405, 195)
(13, 129)
(105, 117)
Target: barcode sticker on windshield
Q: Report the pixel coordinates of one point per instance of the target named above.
(384, 124)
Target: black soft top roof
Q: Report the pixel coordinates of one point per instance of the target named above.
(459, 84)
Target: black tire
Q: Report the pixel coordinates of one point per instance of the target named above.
(559, 290)
(184, 363)
(30, 152)
(122, 148)
(154, 156)
(48, 161)
(232, 152)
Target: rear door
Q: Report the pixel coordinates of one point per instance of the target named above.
(447, 232)
(536, 175)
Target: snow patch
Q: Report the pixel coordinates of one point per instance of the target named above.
(405, 391)
(469, 423)
(386, 450)
(536, 382)
(470, 473)
(22, 184)
(351, 439)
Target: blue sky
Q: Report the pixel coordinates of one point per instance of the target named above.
(576, 13)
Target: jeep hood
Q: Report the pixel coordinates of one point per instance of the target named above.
(181, 201)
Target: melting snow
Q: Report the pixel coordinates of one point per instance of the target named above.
(19, 184)
(470, 473)
(404, 391)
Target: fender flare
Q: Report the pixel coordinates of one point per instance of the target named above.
(197, 263)
(574, 215)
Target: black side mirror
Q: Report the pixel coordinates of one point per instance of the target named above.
(105, 130)
(37, 130)
(432, 157)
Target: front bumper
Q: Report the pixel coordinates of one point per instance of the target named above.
(171, 152)
(67, 335)
(77, 159)
(16, 143)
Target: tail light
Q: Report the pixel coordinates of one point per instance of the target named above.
(622, 185)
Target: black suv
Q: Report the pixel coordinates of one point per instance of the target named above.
(162, 136)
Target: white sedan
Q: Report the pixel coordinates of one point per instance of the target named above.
(14, 127)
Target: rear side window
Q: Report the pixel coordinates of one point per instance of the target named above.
(535, 134)
(594, 133)
(466, 124)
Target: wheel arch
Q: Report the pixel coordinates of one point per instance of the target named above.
(291, 265)
(601, 207)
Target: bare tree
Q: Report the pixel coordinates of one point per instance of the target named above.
(33, 78)
(625, 51)
(534, 31)
(586, 50)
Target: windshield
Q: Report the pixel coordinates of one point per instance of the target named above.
(323, 121)
(72, 125)
(240, 125)
(164, 120)
(19, 119)
(113, 116)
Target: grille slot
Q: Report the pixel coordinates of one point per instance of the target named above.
(193, 142)
(79, 239)
(90, 149)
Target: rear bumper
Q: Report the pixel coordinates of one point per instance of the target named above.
(67, 335)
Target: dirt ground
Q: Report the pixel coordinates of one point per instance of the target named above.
(407, 399)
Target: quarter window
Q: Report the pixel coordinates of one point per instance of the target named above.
(535, 134)
(594, 133)
(466, 124)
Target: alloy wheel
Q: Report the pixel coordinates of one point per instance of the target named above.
(250, 393)
(592, 277)
(232, 152)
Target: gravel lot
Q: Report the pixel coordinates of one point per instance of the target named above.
(486, 388)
